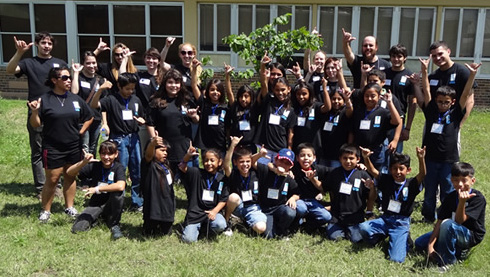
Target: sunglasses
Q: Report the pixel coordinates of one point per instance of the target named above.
(189, 53)
(64, 77)
(118, 54)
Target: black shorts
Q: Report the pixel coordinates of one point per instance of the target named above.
(53, 158)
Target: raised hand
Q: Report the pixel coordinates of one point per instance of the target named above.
(228, 68)
(366, 152)
(347, 37)
(234, 141)
(169, 41)
(424, 63)
(473, 68)
(102, 46)
(420, 152)
(296, 70)
(21, 45)
(34, 105)
(76, 67)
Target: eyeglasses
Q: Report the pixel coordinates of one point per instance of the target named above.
(443, 103)
(119, 54)
(64, 77)
(189, 53)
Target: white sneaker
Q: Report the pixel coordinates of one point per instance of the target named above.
(44, 216)
(228, 232)
(71, 211)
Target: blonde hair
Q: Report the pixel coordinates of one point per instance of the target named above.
(130, 68)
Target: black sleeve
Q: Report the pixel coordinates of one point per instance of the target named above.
(86, 172)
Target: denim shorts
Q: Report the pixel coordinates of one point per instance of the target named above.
(252, 214)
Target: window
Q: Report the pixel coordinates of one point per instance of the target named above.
(486, 40)
(465, 21)
(416, 25)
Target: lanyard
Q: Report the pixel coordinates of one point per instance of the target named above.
(275, 181)
(366, 114)
(348, 177)
(245, 113)
(278, 109)
(104, 177)
(246, 181)
(439, 120)
(211, 183)
(301, 113)
(401, 187)
(213, 109)
(164, 168)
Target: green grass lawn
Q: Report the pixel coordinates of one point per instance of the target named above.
(31, 248)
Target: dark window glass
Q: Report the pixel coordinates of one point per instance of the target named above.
(206, 28)
(224, 22)
(166, 20)
(137, 44)
(14, 18)
(50, 18)
(129, 20)
(92, 19)
(8, 46)
(59, 48)
(89, 43)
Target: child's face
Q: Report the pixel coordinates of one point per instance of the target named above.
(331, 71)
(160, 154)
(214, 94)
(107, 159)
(463, 183)
(371, 98)
(337, 101)
(172, 87)
(281, 91)
(397, 61)
(211, 162)
(243, 164)
(302, 95)
(444, 102)
(306, 158)
(349, 161)
(376, 80)
(127, 90)
(283, 163)
(245, 99)
(276, 73)
(399, 172)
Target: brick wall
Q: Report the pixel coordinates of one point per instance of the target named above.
(16, 88)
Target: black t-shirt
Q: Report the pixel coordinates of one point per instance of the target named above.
(400, 86)
(147, 85)
(355, 68)
(474, 209)
(238, 184)
(237, 116)
(349, 200)
(455, 77)
(334, 133)
(186, 76)
(95, 173)
(373, 134)
(441, 133)
(172, 124)
(308, 126)
(316, 82)
(62, 116)
(274, 137)
(158, 192)
(306, 188)
(115, 106)
(37, 69)
(85, 85)
(212, 125)
(196, 183)
(105, 70)
(404, 193)
(274, 190)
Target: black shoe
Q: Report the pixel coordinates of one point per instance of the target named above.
(116, 232)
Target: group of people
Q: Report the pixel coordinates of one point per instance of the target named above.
(286, 146)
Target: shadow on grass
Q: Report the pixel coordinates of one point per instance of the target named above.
(11, 209)
(18, 189)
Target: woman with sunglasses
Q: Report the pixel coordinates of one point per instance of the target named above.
(60, 111)
(187, 52)
(111, 71)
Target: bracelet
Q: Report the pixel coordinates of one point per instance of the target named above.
(97, 190)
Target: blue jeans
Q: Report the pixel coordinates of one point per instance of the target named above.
(453, 238)
(252, 214)
(35, 142)
(91, 137)
(278, 220)
(397, 227)
(271, 154)
(130, 154)
(336, 231)
(438, 174)
(191, 231)
(330, 163)
(314, 212)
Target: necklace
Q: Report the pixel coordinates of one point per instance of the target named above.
(62, 102)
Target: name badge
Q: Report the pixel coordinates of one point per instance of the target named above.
(452, 79)
(127, 114)
(56, 65)
(144, 81)
(383, 104)
(345, 188)
(403, 80)
(274, 119)
(387, 82)
(394, 206)
(244, 125)
(111, 177)
(365, 124)
(357, 185)
(246, 195)
(256, 187)
(377, 121)
(76, 105)
(213, 120)
(85, 84)
(316, 78)
(184, 79)
(169, 179)
(434, 82)
(301, 121)
(208, 195)
(273, 194)
(328, 126)
(102, 184)
(437, 128)
(381, 68)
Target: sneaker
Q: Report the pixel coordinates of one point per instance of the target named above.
(116, 232)
(44, 216)
(228, 232)
(71, 211)
(443, 268)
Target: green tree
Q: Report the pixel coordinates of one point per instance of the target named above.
(252, 47)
